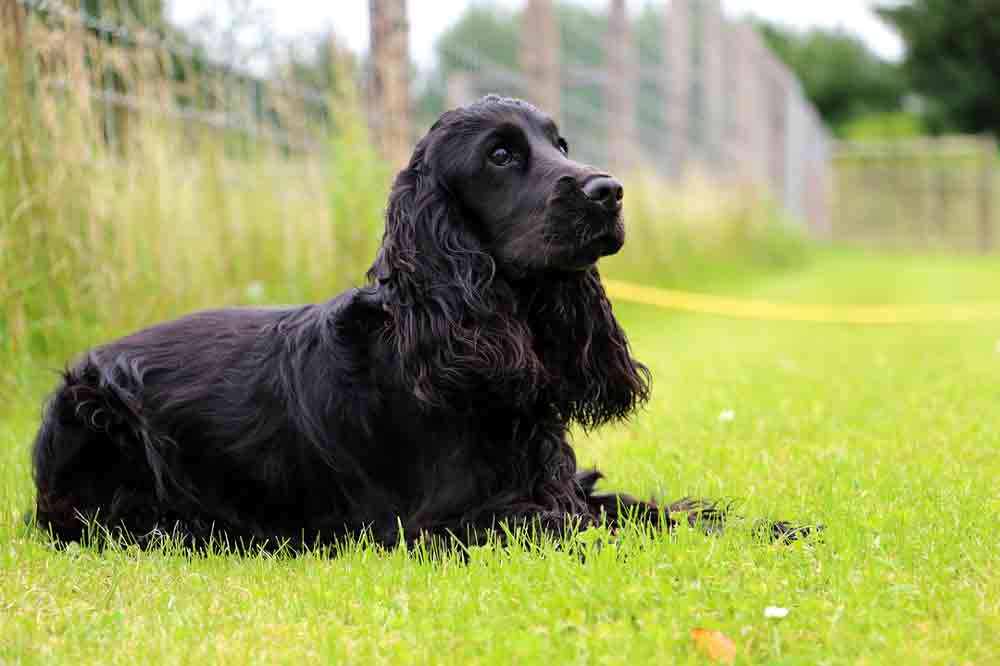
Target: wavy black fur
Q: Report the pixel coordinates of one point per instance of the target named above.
(437, 398)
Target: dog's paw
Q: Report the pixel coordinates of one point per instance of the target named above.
(781, 531)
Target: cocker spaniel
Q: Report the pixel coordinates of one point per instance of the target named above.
(433, 401)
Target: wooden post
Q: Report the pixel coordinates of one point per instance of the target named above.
(620, 87)
(747, 132)
(12, 19)
(539, 54)
(12, 50)
(18, 156)
(987, 172)
(713, 83)
(389, 84)
(778, 81)
(678, 61)
(12, 43)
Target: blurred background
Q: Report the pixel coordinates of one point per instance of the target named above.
(159, 156)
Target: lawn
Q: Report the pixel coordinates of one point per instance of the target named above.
(888, 436)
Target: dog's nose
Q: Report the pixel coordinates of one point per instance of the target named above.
(604, 190)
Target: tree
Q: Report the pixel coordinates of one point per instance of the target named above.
(952, 60)
(652, 124)
(487, 38)
(484, 36)
(319, 63)
(842, 77)
(149, 13)
(840, 74)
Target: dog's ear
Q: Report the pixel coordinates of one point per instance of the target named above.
(594, 378)
(453, 328)
(425, 241)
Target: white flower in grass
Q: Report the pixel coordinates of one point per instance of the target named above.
(728, 416)
(255, 292)
(775, 612)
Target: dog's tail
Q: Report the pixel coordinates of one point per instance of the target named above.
(94, 428)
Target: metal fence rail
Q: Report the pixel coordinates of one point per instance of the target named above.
(697, 94)
(134, 71)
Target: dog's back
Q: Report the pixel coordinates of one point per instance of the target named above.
(135, 423)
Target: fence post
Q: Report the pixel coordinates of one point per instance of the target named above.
(713, 82)
(389, 85)
(678, 61)
(12, 16)
(539, 54)
(12, 50)
(777, 81)
(989, 152)
(621, 87)
(746, 131)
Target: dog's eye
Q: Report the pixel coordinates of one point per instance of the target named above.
(563, 147)
(501, 156)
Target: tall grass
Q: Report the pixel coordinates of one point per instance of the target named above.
(700, 235)
(99, 237)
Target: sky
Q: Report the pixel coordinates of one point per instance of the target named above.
(429, 18)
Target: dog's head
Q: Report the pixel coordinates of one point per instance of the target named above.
(509, 171)
(488, 267)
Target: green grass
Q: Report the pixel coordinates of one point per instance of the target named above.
(886, 435)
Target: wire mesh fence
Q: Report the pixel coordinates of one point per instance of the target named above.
(128, 68)
(930, 193)
(676, 89)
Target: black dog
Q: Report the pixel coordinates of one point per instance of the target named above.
(434, 401)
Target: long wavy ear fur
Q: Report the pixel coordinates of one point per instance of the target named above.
(454, 328)
(593, 377)
(466, 336)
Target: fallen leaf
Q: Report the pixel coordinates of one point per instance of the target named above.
(715, 644)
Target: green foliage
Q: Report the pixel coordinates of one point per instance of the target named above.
(493, 34)
(839, 73)
(358, 185)
(582, 33)
(951, 60)
(485, 35)
(488, 36)
(833, 425)
(884, 435)
(698, 236)
(889, 125)
(95, 242)
(145, 12)
(483, 30)
(321, 63)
